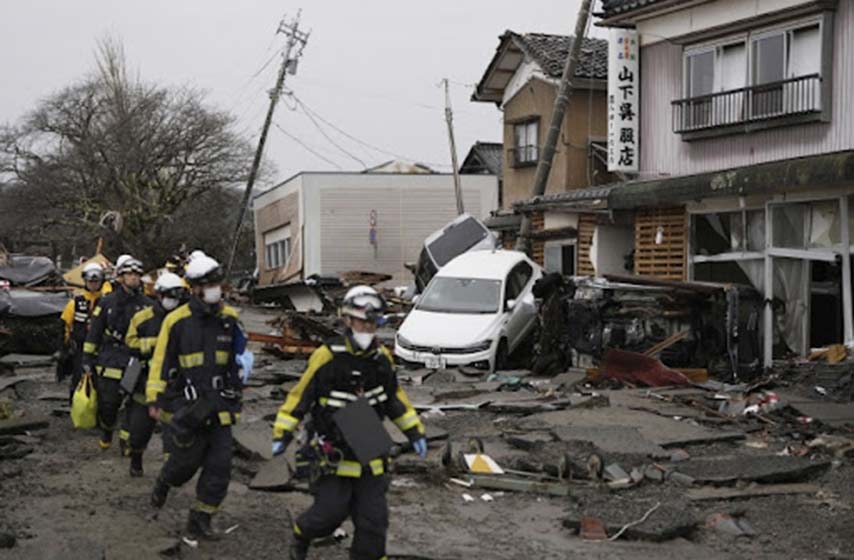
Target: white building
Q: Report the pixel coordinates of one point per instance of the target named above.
(327, 223)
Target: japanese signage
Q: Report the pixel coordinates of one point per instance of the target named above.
(623, 96)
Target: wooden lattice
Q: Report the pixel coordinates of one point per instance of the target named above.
(665, 258)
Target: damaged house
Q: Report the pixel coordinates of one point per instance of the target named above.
(745, 171)
(522, 80)
(328, 223)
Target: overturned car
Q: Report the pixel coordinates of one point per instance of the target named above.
(694, 324)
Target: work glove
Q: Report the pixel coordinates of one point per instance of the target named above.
(245, 360)
(420, 447)
(281, 444)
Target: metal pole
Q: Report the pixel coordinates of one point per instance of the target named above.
(449, 118)
(561, 103)
(294, 36)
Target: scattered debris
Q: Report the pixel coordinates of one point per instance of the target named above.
(592, 529)
(753, 491)
(729, 525)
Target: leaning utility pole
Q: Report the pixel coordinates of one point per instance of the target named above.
(561, 103)
(289, 66)
(449, 118)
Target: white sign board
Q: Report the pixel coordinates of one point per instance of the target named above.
(623, 96)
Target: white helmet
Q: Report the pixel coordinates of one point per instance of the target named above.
(168, 281)
(203, 270)
(363, 302)
(122, 259)
(196, 254)
(93, 272)
(127, 263)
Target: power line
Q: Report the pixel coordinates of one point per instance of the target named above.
(308, 109)
(306, 147)
(331, 141)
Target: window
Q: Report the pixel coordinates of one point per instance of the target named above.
(277, 247)
(559, 257)
(761, 75)
(526, 149)
(517, 280)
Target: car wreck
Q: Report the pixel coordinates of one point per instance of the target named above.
(687, 324)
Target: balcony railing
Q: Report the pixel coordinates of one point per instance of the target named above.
(522, 156)
(795, 96)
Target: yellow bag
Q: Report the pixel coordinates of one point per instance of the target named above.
(84, 405)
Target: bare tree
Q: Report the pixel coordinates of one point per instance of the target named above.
(116, 157)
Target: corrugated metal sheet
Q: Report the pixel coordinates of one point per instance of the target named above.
(405, 217)
(664, 153)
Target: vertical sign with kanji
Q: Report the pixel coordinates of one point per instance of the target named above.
(623, 96)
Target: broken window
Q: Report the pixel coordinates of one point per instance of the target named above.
(277, 247)
(807, 225)
(728, 232)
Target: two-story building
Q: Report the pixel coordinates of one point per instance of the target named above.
(746, 170)
(522, 79)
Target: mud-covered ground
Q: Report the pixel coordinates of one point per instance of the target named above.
(68, 499)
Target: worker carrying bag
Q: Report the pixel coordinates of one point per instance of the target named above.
(84, 404)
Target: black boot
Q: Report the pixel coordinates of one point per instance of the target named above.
(159, 494)
(199, 526)
(298, 549)
(136, 464)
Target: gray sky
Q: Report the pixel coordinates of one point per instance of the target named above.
(371, 67)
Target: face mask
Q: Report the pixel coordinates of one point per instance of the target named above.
(212, 294)
(363, 339)
(169, 303)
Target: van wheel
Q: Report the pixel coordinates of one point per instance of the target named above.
(502, 356)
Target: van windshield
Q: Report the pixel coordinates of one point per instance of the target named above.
(461, 295)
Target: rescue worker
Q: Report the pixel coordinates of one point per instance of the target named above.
(76, 316)
(141, 338)
(340, 372)
(195, 390)
(105, 353)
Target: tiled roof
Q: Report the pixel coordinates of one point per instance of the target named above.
(550, 52)
(484, 157)
(618, 7)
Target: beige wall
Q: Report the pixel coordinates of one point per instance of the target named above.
(274, 215)
(585, 118)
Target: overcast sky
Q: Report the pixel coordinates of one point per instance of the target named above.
(370, 68)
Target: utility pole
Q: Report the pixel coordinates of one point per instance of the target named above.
(561, 103)
(289, 66)
(449, 118)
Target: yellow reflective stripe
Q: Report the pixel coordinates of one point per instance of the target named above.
(146, 344)
(124, 434)
(222, 357)
(110, 372)
(325, 401)
(284, 423)
(318, 359)
(196, 359)
(97, 311)
(297, 530)
(225, 418)
(159, 359)
(349, 469)
(376, 466)
(375, 391)
(408, 421)
(205, 508)
(90, 347)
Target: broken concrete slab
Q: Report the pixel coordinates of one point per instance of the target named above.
(61, 396)
(399, 438)
(19, 361)
(772, 468)
(520, 485)
(274, 476)
(667, 522)
(22, 424)
(5, 383)
(253, 441)
(659, 430)
(754, 491)
(834, 415)
(529, 441)
(623, 440)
